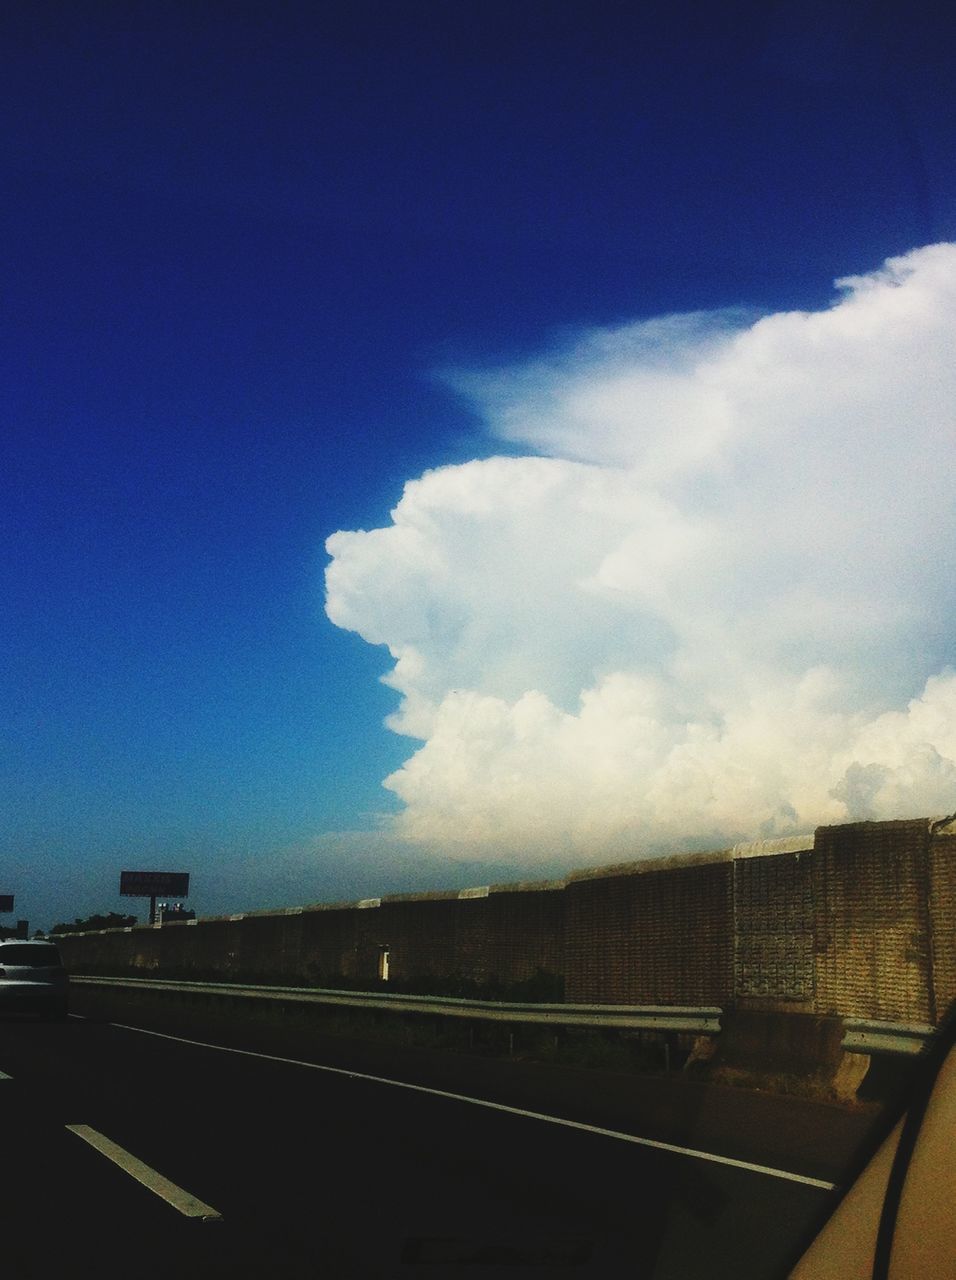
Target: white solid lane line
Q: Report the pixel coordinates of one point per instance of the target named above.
(691, 1152)
(176, 1196)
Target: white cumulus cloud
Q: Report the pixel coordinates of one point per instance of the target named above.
(713, 602)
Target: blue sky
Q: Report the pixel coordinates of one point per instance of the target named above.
(257, 259)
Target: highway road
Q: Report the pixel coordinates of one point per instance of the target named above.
(128, 1152)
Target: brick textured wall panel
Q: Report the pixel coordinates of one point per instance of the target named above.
(147, 955)
(775, 924)
(872, 938)
(328, 945)
(525, 934)
(476, 955)
(174, 947)
(942, 875)
(653, 937)
(271, 948)
(421, 935)
(503, 937)
(107, 953)
(214, 952)
(597, 941)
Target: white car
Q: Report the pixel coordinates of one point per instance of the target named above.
(32, 978)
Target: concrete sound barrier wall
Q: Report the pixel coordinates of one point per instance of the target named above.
(858, 920)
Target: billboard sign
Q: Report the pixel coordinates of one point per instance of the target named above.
(6, 901)
(154, 884)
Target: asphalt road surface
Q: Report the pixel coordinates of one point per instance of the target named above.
(130, 1153)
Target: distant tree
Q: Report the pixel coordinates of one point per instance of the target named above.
(113, 921)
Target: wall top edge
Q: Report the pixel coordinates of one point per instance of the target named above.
(648, 866)
(528, 886)
(426, 895)
(767, 848)
(882, 824)
(264, 913)
(330, 906)
(387, 899)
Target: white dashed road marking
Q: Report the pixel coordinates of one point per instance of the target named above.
(176, 1196)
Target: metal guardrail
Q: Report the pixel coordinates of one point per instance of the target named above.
(701, 1020)
(864, 1036)
(861, 1035)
